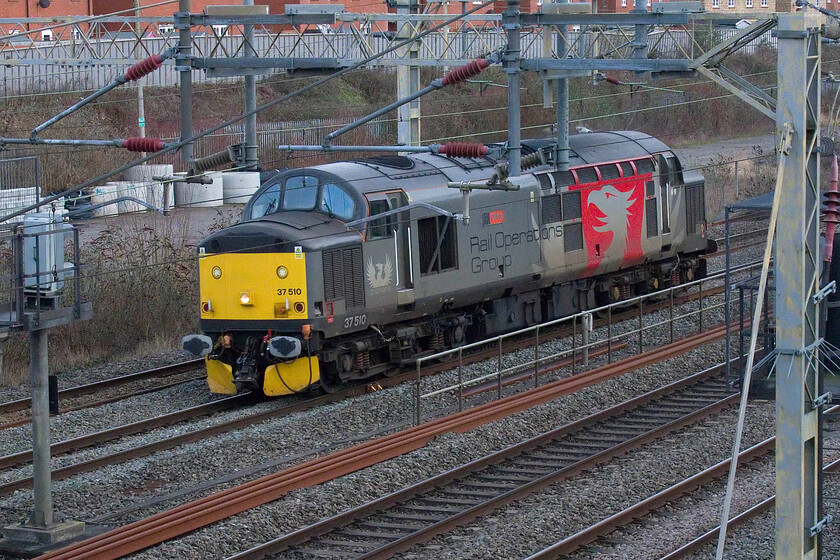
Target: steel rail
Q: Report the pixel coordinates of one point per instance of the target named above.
(669, 495)
(627, 516)
(81, 442)
(732, 249)
(102, 402)
(456, 476)
(172, 369)
(199, 513)
(754, 511)
(25, 457)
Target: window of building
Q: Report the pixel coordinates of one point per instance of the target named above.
(715, 3)
(438, 245)
(749, 3)
(731, 3)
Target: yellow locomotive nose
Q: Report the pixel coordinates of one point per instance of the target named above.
(253, 286)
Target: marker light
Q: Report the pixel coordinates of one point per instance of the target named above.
(217, 272)
(206, 307)
(299, 307)
(282, 272)
(245, 298)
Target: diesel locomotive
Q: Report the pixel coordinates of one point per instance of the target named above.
(347, 270)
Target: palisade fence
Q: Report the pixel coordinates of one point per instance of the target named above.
(47, 67)
(19, 184)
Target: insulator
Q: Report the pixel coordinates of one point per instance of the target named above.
(144, 67)
(465, 72)
(611, 80)
(463, 149)
(531, 160)
(137, 144)
(212, 161)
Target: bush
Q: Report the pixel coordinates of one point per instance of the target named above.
(141, 276)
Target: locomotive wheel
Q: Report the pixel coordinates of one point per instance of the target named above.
(346, 363)
(330, 379)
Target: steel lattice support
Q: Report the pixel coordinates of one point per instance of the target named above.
(797, 280)
(408, 80)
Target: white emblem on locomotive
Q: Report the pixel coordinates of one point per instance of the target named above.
(379, 275)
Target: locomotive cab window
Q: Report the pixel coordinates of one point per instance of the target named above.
(381, 227)
(300, 193)
(438, 245)
(335, 201)
(267, 203)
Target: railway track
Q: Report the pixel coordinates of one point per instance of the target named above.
(405, 518)
(669, 496)
(711, 536)
(223, 504)
(741, 241)
(15, 412)
(22, 405)
(82, 442)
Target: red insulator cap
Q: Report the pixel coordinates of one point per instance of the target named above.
(143, 144)
(611, 80)
(146, 66)
(465, 72)
(463, 149)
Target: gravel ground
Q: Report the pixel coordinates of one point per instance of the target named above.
(542, 519)
(99, 372)
(755, 540)
(279, 443)
(310, 504)
(157, 476)
(81, 422)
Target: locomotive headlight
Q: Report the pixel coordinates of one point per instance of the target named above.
(216, 272)
(245, 298)
(282, 272)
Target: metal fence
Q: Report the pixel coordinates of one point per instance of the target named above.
(581, 342)
(44, 67)
(20, 184)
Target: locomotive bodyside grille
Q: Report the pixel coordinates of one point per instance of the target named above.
(608, 171)
(354, 289)
(571, 205)
(573, 237)
(695, 207)
(563, 179)
(332, 290)
(551, 210)
(650, 217)
(344, 277)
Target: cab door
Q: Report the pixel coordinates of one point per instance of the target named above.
(397, 227)
(667, 179)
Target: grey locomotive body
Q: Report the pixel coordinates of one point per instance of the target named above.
(391, 273)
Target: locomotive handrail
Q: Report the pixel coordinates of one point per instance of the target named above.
(406, 208)
(534, 363)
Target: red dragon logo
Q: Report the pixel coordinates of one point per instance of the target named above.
(612, 223)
